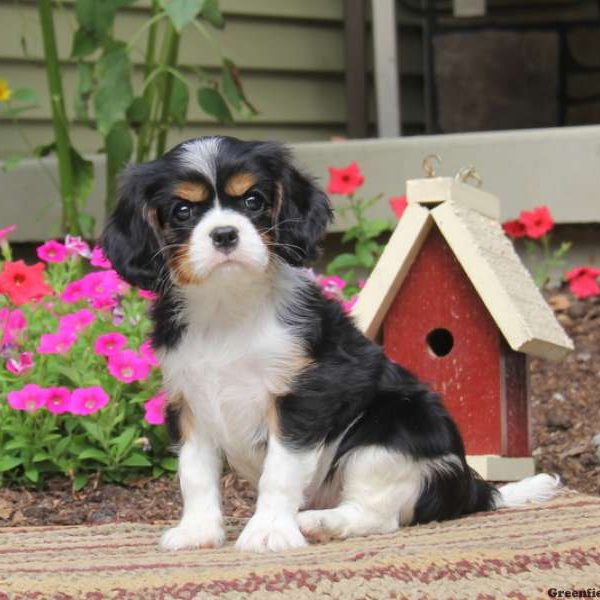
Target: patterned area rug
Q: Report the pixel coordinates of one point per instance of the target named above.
(506, 554)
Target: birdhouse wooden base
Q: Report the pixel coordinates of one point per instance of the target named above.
(502, 468)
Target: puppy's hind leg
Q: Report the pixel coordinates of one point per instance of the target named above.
(379, 493)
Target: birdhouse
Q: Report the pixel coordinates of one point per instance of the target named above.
(451, 301)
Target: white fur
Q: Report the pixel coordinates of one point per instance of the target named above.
(250, 251)
(538, 488)
(286, 475)
(200, 155)
(199, 471)
(380, 488)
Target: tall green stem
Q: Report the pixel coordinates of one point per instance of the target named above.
(172, 51)
(70, 220)
(149, 92)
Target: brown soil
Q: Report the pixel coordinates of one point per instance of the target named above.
(565, 407)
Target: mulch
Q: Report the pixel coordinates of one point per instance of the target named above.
(565, 409)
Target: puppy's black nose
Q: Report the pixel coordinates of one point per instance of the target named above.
(225, 239)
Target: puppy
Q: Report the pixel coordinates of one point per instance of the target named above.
(263, 370)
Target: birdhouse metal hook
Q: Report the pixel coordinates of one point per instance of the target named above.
(427, 164)
(469, 174)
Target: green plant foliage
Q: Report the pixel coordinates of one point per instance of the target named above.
(211, 102)
(182, 12)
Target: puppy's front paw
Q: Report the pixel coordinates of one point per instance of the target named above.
(203, 535)
(270, 534)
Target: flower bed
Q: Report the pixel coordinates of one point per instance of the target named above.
(79, 376)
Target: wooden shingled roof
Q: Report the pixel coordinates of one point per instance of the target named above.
(468, 220)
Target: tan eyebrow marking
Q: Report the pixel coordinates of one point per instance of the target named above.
(239, 183)
(192, 192)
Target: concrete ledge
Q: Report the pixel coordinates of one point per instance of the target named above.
(501, 468)
(557, 167)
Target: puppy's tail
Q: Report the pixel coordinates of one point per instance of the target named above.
(538, 488)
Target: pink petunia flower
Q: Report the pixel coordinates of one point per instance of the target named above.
(86, 401)
(56, 343)
(6, 231)
(77, 321)
(147, 294)
(20, 365)
(29, 398)
(348, 305)
(52, 251)
(109, 343)
(12, 325)
(154, 409)
(128, 366)
(99, 260)
(147, 353)
(73, 292)
(331, 286)
(75, 245)
(58, 400)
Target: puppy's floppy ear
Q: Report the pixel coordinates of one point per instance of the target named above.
(302, 218)
(129, 239)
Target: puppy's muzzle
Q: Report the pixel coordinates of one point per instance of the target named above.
(225, 239)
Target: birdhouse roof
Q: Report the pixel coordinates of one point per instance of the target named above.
(467, 219)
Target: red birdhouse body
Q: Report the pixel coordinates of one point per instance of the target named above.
(451, 301)
(438, 328)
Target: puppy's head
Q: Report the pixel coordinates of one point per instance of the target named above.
(210, 204)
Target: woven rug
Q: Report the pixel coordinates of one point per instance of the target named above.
(506, 554)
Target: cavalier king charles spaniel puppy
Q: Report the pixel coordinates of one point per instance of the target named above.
(262, 370)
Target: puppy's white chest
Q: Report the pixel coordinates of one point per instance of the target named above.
(230, 376)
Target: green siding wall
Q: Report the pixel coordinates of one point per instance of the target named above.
(290, 53)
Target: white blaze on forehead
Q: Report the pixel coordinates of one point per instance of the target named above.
(201, 156)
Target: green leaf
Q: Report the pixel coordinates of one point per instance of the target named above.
(44, 149)
(85, 87)
(93, 430)
(40, 457)
(85, 42)
(9, 462)
(212, 103)
(376, 227)
(83, 177)
(94, 454)
(16, 444)
(32, 474)
(178, 104)
(181, 12)
(212, 13)
(364, 253)
(169, 463)
(87, 225)
(97, 16)
(12, 162)
(124, 440)
(114, 92)
(80, 481)
(138, 112)
(25, 96)
(351, 234)
(119, 146)
(69, 373)
(342, 261)
(136, 460)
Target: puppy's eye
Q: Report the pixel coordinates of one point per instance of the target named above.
(182, 212)
(254, 202)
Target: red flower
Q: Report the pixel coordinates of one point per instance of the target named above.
(398, 204)
(345, 181)
(537, 222)
(583, 281)
(514, 229)
(22, 283)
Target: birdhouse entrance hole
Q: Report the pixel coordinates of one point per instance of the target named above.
(440, 341)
